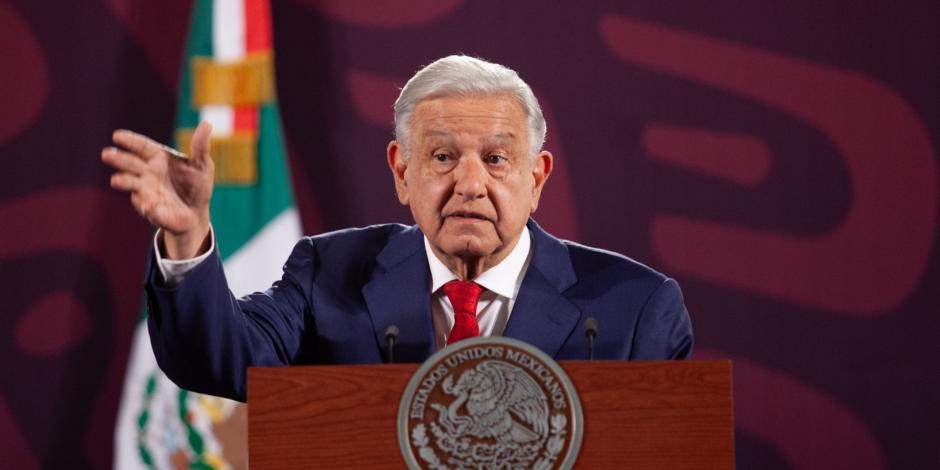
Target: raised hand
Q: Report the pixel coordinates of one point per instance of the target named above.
(170, 189)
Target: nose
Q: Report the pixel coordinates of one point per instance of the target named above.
(470, 178)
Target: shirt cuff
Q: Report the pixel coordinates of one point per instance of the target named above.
(174, 271)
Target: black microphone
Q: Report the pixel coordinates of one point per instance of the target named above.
(590, 330)
(391, 334)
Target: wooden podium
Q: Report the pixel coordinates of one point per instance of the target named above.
(637, 415)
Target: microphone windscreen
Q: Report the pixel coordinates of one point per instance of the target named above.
(391, 332)
(590, 326)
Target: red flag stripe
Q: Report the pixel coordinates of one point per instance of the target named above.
(257, 26)
(257, 39)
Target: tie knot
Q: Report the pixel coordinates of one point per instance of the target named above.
(463, 295)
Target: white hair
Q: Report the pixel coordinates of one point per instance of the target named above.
(460, 75)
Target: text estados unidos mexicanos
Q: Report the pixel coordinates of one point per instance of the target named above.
(545, 376)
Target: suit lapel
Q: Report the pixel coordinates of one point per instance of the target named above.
(397, 294)
(541, 315)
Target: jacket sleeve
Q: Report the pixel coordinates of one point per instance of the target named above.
(664, 329)
(204, 338)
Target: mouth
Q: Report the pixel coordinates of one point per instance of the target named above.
(468, 216)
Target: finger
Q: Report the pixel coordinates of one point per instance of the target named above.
(142, 145)
(200, 146)
(123, 161)
(142, 205)
(125, 182)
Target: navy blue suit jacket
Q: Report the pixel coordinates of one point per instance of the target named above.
(340, 291)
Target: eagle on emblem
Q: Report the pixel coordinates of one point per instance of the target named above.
(502, 402)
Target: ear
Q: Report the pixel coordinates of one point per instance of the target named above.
(541, 170)
(398, 165)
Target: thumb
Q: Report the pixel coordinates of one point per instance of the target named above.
(200, 146)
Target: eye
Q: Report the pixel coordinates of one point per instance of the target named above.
(442, 157)
(495, 159)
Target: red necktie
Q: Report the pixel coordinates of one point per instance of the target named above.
(463, 297)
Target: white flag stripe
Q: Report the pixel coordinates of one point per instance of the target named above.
(228, 44)
(221, 117)
(260, 261)
(228, 30)
(140, 365)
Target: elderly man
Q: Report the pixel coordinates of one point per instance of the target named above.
(469, 163)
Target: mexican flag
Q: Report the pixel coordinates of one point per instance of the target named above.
(228, 80)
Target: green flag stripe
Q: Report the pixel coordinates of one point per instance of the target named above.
(199, 42)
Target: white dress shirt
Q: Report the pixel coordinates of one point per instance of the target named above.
(501, 284)
(173, 271)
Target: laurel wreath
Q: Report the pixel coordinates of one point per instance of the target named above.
(146, 456)
(195, 440)
(420, 440)
(555, 443)
(554, 446)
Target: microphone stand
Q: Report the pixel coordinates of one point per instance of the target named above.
(590, 331)
(391, 334)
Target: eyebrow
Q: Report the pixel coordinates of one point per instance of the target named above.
(445, 135)
(502, 136)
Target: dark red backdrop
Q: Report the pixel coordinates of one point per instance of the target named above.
(778, 158)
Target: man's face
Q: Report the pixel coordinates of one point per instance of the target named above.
(469, 178)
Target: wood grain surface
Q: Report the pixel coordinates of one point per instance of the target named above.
(637, 415)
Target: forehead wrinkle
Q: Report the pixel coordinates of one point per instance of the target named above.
(438, 123)
(436, 113)
(437, 134)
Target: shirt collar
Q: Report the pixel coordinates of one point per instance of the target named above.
(504, 279)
